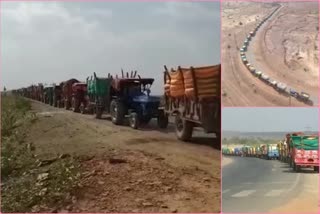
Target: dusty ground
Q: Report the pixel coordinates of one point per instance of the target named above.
(285, 47)
(158, 173)
(226, 161)
(305, 201)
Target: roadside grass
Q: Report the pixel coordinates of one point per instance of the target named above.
(29, 184)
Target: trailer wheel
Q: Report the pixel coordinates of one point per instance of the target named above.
(163, 120)
(117, 112)
(296, 168)
(184, 128)
(134, 120)
(316, 168)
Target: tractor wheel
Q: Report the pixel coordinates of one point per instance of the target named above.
(66, 105)
(163, 120)
(145, 120)
(218, 137)
(82, 109)
(75, 105)
(316, 168)
(54, 102)
(134, 120)
(184, 128)
(99, 112)
(117, 112)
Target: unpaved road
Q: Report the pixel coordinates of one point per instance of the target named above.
(160, 174)
(267, 186)
(285, 48)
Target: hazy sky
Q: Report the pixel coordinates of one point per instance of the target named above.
(269, 119)
(54, 41)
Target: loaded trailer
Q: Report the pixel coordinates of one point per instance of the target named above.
(192, 97)
(304, 152)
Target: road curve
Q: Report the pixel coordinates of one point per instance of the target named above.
(260, 64)
(257, 185)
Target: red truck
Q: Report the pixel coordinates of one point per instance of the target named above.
(304, 152)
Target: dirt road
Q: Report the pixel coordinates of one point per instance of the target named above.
(157, 173)
(285, 48)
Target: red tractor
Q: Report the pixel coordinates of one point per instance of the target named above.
(79, 99)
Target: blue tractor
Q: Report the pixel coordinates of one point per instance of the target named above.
(130, 98)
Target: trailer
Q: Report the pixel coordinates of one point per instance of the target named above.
(67, 92)
(79, 101)
(304, 152)
(192, 97)
(304, 97)
(264, 152)
(264, 77)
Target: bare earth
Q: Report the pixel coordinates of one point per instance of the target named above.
(160, 174)
(304, 202)
(226, 161)
(285, 48)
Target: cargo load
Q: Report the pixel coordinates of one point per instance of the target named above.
(193, 96)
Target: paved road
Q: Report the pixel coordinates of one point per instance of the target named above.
(257, 185)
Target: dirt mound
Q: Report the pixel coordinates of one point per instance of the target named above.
(141, 182)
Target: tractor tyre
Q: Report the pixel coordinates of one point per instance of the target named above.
(75, 105)
(98, 112)
(184, 128)
(66, 105)
(117, 111)
(163, 120)
(55, 102)
(145, 120)
(134, 120)
(82, 109)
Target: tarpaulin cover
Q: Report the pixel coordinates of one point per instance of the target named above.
(187, 81)
(305, 142)
(99, 86)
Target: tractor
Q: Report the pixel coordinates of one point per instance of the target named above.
(126, 98)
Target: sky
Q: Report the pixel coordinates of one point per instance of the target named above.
(50, 42)
(269, 119)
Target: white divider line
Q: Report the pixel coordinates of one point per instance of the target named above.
(274, 193)
(225, 191)
(243, 193)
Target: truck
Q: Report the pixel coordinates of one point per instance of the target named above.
(272, 152)
(304, 152)
(192, 97)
